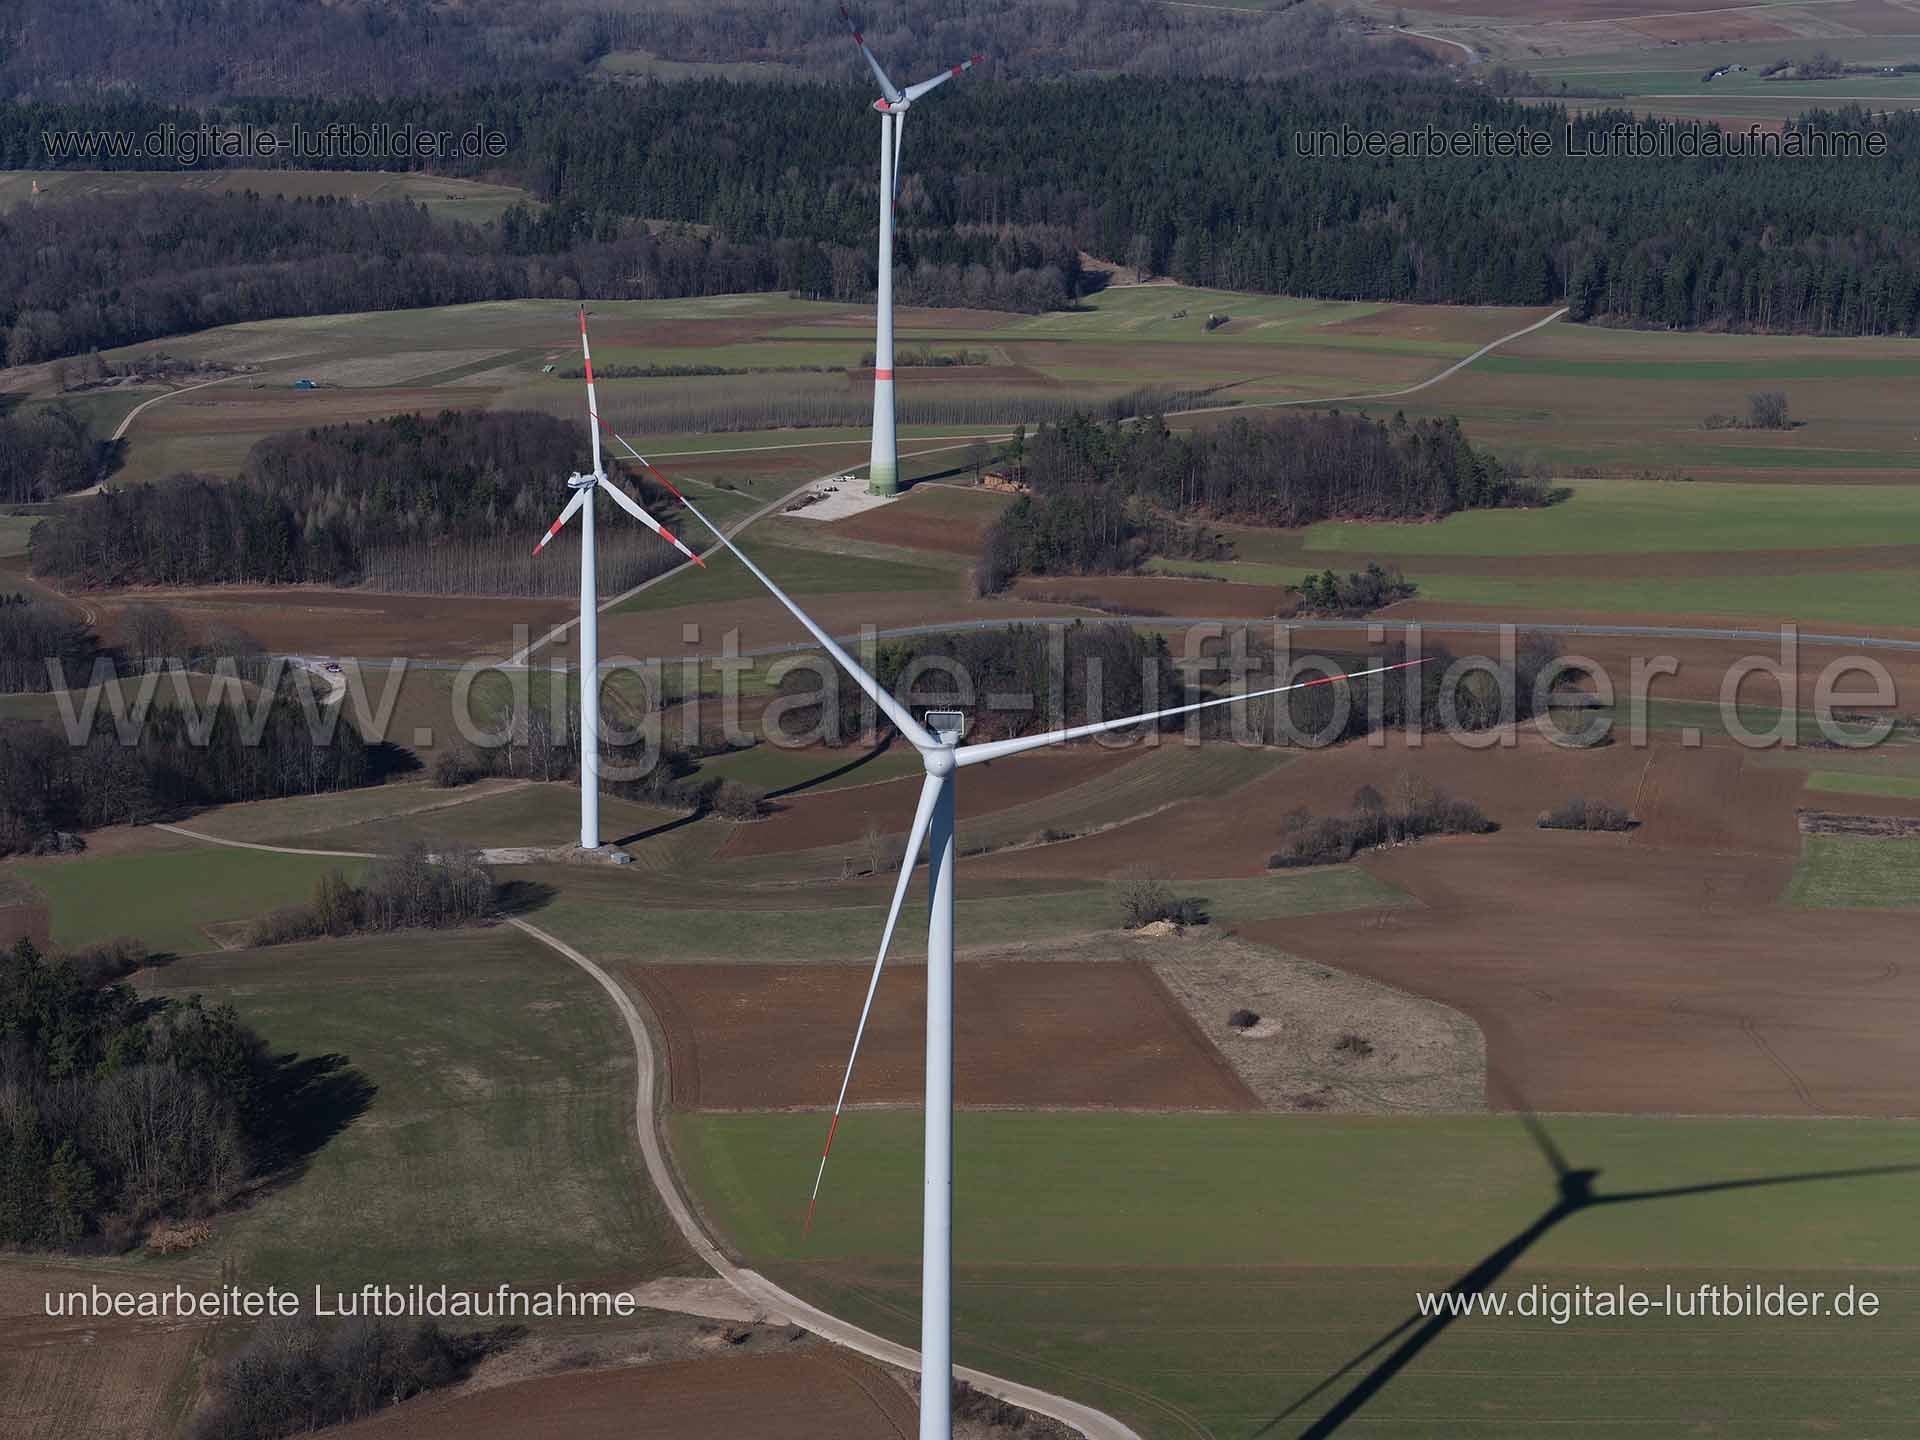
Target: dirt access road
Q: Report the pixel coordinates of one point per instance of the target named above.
(1094, 1424)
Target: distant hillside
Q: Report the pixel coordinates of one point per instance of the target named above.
(1003, 186)
(219, 48)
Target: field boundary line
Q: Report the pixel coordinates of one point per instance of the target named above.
(270, 849)
(1094, 1424)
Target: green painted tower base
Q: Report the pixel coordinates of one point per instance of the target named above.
(883, 480)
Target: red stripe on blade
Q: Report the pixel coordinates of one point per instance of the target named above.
(662, 479)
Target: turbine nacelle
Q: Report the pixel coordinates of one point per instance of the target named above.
(577, 481)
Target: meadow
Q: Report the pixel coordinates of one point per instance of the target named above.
(1802, 552)
(487, 1137)
(1203, 1275)
(473, 201)
(1669, 80)
(168, 897)
(1849, 871)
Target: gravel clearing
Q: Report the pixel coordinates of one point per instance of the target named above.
(1424, 1056)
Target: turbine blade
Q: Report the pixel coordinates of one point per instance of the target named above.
(887, 87)
(914, 92)
(579, 499)
(593, 408)
(644, 463)
(899, 138)
(902, 719)
(922, 817)
(625, 502)
(995, 749)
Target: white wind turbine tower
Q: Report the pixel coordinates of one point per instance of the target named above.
(942, 757)
(883, 469)
(583, 487)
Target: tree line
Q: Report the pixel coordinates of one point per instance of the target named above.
(771, 187)
(133, 767)
(446, 503)
(1044, 676)
(415, 890)
(1107, 495)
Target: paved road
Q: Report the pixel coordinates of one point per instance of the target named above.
(1094, 1424)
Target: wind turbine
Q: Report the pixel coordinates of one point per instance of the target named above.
(583, 487)
(883, 469)
(942, 757)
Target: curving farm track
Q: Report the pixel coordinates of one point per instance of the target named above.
(1094, 1424)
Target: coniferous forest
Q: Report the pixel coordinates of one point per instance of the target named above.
(771, 187)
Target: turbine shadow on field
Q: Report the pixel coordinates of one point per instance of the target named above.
(692, 817)
(852, 765)
(1577, 1192)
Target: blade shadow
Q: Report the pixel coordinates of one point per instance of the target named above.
(1576, 1193)
(864, 758)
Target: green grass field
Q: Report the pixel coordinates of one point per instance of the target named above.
(166, 898)
(1848, 871)
(1848, 782)
(547, 814)
(1200, 1275)
(497, 1145)
(14, 533)
(1650, 517)
(1859, 597)
(1678, 70)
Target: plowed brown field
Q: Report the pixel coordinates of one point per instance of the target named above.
(82, 1378)
(1209, 837)
(834, 817)
(1039, 1033)
(811, 1394)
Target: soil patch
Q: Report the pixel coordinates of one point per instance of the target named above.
(1710, 799)
(76, 1379)
(1636, 978)
(1203, 838)
(806, 1393)
(1096, 1030)
(311, 620)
